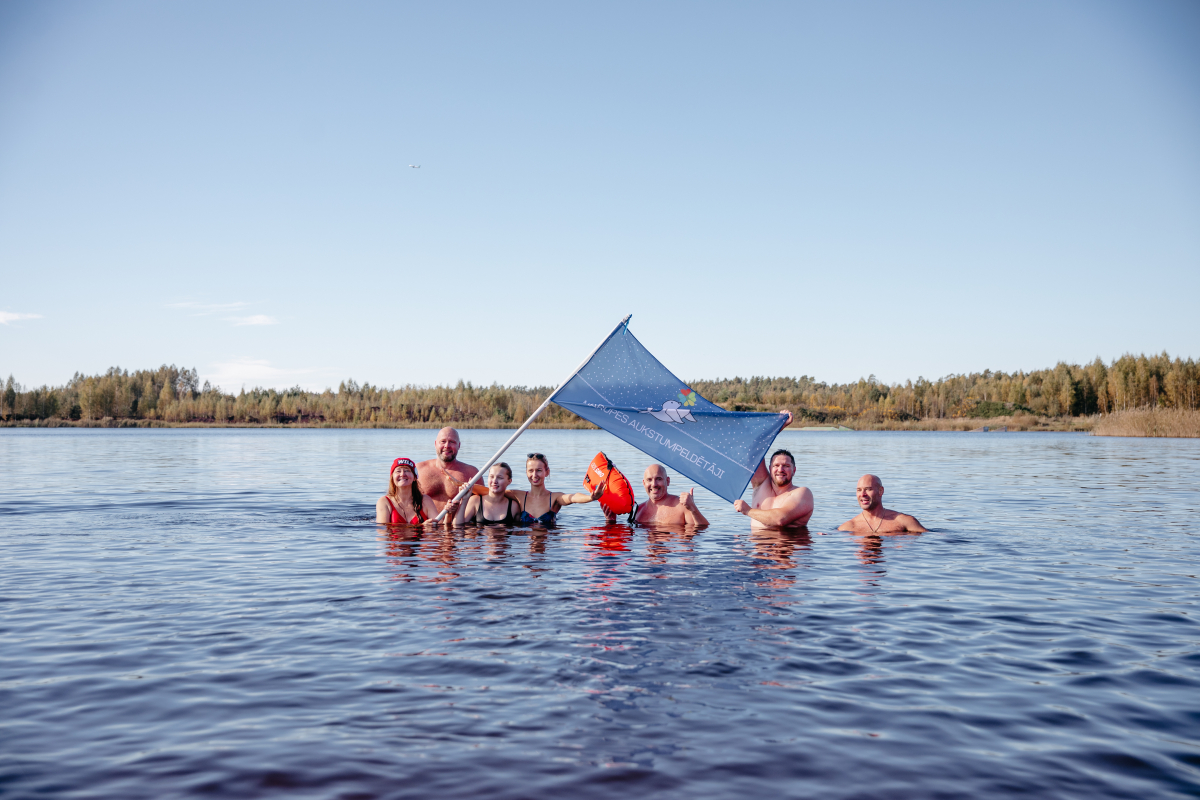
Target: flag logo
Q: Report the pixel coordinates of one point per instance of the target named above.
(672, 411)
(687, 396)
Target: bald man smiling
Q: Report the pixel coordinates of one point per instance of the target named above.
(441, 477)
(662, 507)
(874, 518)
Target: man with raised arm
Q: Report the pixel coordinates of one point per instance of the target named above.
(662, 507)
(442, 477)
(874, 517)
(777, 502)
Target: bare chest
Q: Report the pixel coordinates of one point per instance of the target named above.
(442, 483)
(765, 497)
(655, 512)
(880, 526)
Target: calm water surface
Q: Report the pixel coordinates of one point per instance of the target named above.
(213, 613)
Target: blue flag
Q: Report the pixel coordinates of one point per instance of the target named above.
(629, 393)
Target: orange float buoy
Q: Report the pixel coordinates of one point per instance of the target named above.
(618, 492)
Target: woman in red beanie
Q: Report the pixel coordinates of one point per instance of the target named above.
(404, 504)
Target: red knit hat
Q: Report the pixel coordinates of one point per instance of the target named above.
(403, 462)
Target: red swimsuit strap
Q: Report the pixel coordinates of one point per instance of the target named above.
(398, 518)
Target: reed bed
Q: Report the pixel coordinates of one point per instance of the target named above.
(1013, 423)
(1156, 422)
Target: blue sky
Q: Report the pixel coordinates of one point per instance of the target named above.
(770, 189)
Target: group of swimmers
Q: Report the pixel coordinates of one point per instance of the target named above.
(418, 492)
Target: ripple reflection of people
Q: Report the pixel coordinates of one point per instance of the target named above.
(404, 503)
(874, 518)
(778, 547)
(659, 542)
(539, 505)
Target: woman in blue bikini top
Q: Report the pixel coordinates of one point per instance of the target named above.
(540, 499)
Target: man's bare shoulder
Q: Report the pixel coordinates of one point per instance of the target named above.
(910, 523)
(787, 497)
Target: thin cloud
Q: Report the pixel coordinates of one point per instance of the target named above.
(205, 309)
(252, 372)
(10, 316)
(253, 319)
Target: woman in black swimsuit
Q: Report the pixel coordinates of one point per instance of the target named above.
(492, 508)
(540, 506)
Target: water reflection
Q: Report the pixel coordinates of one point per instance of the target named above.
(406, 546)
(870, 554)
(665, 541)
(612, 537)
(606, 545)
(777, 549)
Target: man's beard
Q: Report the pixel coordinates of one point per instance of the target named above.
(778, 482)
(449, 460)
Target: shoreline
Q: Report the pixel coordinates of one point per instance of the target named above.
(952, 425)
(1135, 422)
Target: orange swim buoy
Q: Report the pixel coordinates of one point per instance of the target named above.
(618, 492)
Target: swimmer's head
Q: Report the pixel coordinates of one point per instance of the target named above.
(869, 492)
(656, 482)
(404, 474)
(446, 444)
(404, 469)
(782, 467)
(499, 477)
(536, 468)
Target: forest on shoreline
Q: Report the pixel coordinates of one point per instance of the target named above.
(1065, 397)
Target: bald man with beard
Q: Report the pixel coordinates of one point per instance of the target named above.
(442, 477)
(874, 517)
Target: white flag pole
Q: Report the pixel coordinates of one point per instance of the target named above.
(466, 487)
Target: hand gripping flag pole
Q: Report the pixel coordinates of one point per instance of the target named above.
(466, 487)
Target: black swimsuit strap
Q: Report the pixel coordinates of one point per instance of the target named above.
(507, 519)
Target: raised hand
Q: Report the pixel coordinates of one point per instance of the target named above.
(689, 499)
(741, 506)
(789, 416)
(599, 490)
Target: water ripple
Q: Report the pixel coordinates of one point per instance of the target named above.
(213, 613)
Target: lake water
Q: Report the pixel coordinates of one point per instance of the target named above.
(212, 613)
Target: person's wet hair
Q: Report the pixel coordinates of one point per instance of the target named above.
(504, 466)
(782, 452)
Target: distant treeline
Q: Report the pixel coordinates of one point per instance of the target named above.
(174, 395)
